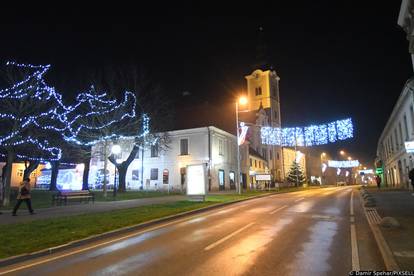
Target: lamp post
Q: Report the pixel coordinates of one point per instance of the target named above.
(323, 166)
(242, 101)
(116, 149)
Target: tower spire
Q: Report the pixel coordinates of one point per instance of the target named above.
(261, 60)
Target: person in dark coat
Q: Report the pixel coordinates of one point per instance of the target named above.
(411, 176)
(378, 180)
(24, 195)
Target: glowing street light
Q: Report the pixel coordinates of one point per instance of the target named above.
(349, 158)
(243, 101)
(342, 152)
(116, 149)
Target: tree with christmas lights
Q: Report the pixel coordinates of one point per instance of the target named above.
(31, 110)
(296, 175)
(151, 103)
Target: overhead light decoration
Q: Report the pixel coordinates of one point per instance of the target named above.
(312, 135)
(338, 171)
(343, 164)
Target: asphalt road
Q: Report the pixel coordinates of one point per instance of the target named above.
(301, 233)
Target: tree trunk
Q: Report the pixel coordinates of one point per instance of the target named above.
(122, 170)
(55, 172)
(85, 182)
(105, 153)
(7, 176)
(123, 167)
(33, 166)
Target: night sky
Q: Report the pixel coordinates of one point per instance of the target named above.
(334, 62)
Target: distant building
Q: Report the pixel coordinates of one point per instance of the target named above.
(399, 129)
(18, 171)
(166, 169)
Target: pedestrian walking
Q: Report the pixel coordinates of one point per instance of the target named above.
(378, 180)
(411, 176)
(24, 195)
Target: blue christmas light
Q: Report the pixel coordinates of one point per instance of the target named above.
(308, 136)
(67, 121)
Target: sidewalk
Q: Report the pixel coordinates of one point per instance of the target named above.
(398, 204)
(82, 208)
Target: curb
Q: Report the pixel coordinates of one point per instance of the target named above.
(386, 253)
(48, 251)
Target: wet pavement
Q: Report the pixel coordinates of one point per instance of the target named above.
(398, 204)
(300, 233)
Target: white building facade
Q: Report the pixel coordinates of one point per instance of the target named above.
(399, 129)
(406, 21)
(165, 169)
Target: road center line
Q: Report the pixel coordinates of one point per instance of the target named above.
(299, 199)
(220, 241)
(278, 209)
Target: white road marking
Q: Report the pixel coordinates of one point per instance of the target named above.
(354, 243)
(278, 209)
(220, 241)
(299, 199)
(351, 206)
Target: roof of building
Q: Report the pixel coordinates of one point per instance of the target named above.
(254, 153)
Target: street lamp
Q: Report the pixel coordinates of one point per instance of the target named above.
(349, 158)
(243, 101)
(342, 152)
(323, 166)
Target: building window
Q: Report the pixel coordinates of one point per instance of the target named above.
(412, 117)
(221, 179)
(154, 174)
(251, 162)
(255, 163)
(232, 180)
(401, 136)
(221, 147)
(396, 139)
(135, 175)
(260, 164)
(270, 155)
(137, 155)
(20, 173)
(276, 115)
(165, 176)
(154, 150)
(184, 146)
(258, 91)
(277, 156)
(406, 128)
(264, 153)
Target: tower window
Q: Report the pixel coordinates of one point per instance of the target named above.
(258, 91)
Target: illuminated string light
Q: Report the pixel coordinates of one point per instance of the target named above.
(67, 121)
(308, 136)
(343, 164)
